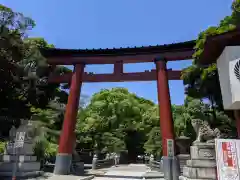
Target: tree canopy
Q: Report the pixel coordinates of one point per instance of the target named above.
(23, 70)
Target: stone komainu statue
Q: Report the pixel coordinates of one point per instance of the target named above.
(203, 131)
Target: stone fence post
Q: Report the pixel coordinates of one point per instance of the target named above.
(94, 161)
(107, 156)
(116, 159)
(151, 160)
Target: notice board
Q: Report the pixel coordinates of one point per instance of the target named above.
(228, 159)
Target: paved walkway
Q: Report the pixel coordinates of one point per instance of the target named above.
(130, 172)
(51, 176)
(121, 172)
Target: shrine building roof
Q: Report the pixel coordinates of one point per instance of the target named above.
(215, 45)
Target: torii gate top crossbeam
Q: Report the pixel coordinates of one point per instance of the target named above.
(172, 52)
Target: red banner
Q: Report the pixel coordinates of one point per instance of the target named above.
(227, 154)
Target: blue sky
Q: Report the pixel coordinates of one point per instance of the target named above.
(120, 23)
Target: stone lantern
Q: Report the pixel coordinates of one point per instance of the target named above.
(183, 144)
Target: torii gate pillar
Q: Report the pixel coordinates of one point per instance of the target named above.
(67, 138)
(170, 163)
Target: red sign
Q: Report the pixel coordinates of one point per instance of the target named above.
(227, 154)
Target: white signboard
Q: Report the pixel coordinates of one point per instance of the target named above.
(20, 136)
(228, 65)
(170, 147)
(228, 159)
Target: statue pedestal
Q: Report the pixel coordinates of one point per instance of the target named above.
(25, 165)
(183, 160)
(20, 155)
(202, 164)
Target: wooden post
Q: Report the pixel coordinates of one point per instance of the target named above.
(67, 137)
(166, 121)
(170, 163)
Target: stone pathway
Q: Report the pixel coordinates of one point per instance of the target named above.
(130, 172)
(51, 176)
(121, 172)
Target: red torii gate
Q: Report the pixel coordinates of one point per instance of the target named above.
(79, 58)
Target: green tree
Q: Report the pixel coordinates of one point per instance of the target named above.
(151, 126)
(24, 91)
(109, 117)
(36, 71)
(47, 124)
(13, 28)
(23, 71)
(153, 145)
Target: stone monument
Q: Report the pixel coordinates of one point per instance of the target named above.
(19, 152)
(202, 164)
(183, 143)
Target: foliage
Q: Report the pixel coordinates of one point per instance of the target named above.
(153, 145)
(15, 21)
(2, 146)
(45, 150)
(23, 71)
(51, 150)
(47, 124)
(110, 115)
(24, 91)
(13, 28)
(35, 73)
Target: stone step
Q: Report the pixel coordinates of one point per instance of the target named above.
(21, 166)
(4, 175)
(27, 149)
(204, 173)
(21, 158)
(183, 164)
(201, 163)
(183, 156)
(125, 175)
(186, 178)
